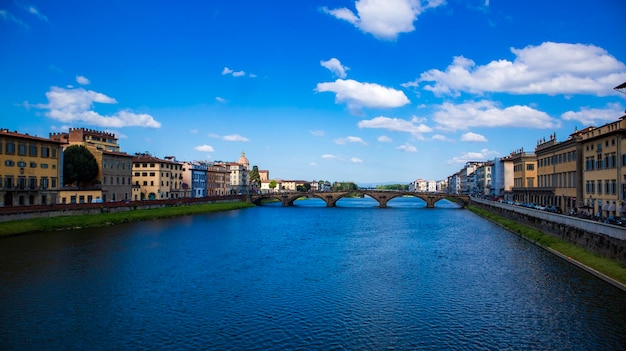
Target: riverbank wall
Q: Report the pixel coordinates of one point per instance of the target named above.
(602, 239)
(29, 212)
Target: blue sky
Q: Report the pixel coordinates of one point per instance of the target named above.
(369, 91)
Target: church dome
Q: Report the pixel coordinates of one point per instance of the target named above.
(243, 160)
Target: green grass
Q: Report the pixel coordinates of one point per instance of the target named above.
(610, 268)
(94, 220)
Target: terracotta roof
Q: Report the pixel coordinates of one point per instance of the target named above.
(26, 136)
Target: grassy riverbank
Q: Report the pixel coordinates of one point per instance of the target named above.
(94, 220)
(608, 267)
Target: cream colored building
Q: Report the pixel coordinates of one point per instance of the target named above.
(156, 179)
(30, 169)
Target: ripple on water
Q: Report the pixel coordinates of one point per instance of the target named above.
(302, 278)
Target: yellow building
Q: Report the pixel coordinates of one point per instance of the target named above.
(155, 178)
(114, 167)
(30, 169)
(559, 175)
(604, 168)
(524, 175)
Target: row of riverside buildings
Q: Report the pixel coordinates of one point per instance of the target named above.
(585, 172)
(31, 172)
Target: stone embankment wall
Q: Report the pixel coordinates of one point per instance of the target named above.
(28, 212)
(603, 239)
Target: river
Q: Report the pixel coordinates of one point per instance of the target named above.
(354, 277)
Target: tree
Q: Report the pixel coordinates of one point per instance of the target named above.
(255, 177)
(273, 184)
(79, 165)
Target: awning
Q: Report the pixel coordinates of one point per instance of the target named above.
(620, 209)
(605, 207)
(612, 207)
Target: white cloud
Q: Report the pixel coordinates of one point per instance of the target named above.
(397, 125)
(317, 133)
(407, 148)
(356, 94)
(591, 116)
(440, 137)
(228, 71)
(384, 139)
(342, 158)
(550, 68)
(486, 113)
(204, 148)
(330, 156)
(34, 11)
(350, 139)
(473, 137)
(220, 100)
(193, 131)
(82, 80)
(384, 19)
(76, 105)
(335, 66)
(482, 155)
(235, 137)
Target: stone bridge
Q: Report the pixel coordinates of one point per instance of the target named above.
(382, 196)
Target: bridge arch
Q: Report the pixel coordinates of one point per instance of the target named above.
(381, 196)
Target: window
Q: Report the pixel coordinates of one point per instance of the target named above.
(599, 187)
(21, 149)
(10, 148)
(33, 165)
(530, 166)
(54, 153)
(152, 174)
(32, 150)
(44, 182)
(54, 182)
(21, 164)
(9, 163)
(44, 165)
(32, 183)
(45, 151)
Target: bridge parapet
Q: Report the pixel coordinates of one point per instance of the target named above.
(382, 197)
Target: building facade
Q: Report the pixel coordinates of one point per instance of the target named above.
(604, 168)
(156, 179)
(114, 179)
(218, 180)
(30, 169)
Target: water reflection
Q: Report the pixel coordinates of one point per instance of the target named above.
(302, 277)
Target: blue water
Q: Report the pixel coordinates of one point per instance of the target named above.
(354, 277)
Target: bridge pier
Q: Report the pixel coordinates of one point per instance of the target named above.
(430, 201)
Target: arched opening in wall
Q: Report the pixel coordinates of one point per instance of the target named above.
(406, 201)
(310, 202)
(365, 201)
(447, 204)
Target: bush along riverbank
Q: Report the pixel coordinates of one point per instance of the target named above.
(611, 269)
(93, 220)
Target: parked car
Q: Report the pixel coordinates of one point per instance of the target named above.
(553, 209)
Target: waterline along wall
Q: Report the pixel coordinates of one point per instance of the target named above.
(603, 239)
